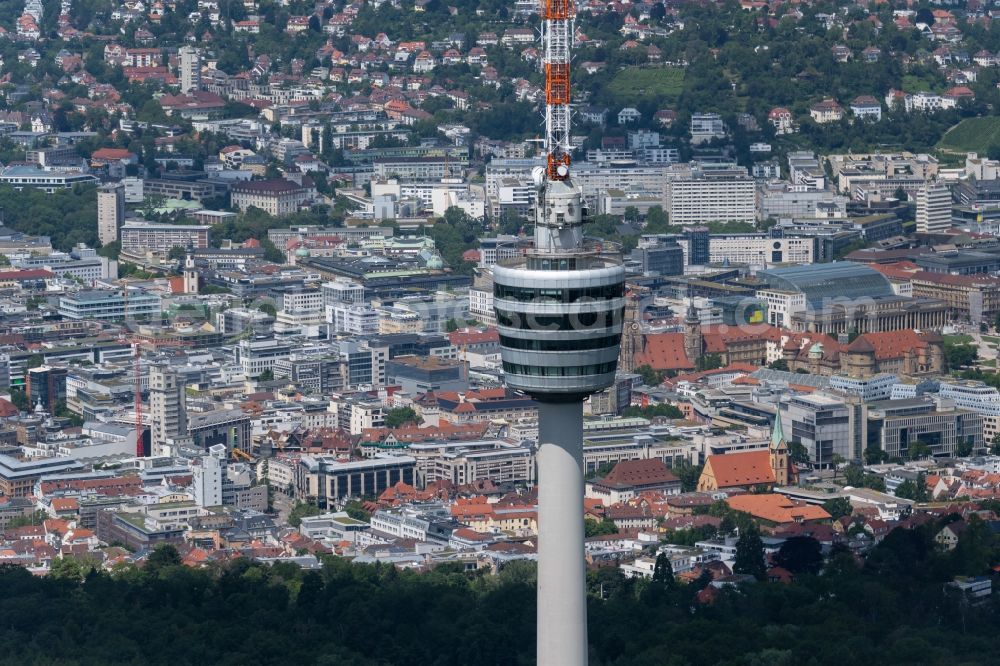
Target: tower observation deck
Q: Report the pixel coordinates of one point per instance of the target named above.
(560, 310)
(560, 307)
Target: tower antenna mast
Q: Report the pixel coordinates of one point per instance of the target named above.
(557, 36)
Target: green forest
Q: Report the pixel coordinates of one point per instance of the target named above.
(67, 216)
(895, 609)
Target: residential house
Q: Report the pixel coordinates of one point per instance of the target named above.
(827, 111)
(629, 115)
(866, 107)
(781, 119)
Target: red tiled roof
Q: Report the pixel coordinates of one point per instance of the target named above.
(776, 508)
(664, 351)
(112, 154)
(473, 337)
(29, 274)
(639, 472)
(749, 468)
(894, 344)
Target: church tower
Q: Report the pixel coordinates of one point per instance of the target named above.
(190, 276)
(631, 335)
(779, 452)
(692, 335)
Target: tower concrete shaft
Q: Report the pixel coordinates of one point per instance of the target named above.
(562, 602)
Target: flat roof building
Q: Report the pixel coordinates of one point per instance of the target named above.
(148, 236)
(110, 305)
(324, 479)
(20, 177)
(419, 374)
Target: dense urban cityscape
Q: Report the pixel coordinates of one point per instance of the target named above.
(303, 303)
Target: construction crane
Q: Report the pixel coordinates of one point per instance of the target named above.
(240, 454)
(140, 449)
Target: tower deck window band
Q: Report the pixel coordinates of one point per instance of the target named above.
(561, 371)
(558, 294)
(557, 345)
(530, 321)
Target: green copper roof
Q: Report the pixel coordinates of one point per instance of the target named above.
(777, 436)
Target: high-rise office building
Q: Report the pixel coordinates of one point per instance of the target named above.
(168, 412)
(699, 245)
(699, 196)
(110, 212)
(207, 474)
(190, 66)
(933, 208)
(47, 387)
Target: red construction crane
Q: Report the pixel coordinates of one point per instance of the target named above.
(140, 449)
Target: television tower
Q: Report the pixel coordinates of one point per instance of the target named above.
(559, 314)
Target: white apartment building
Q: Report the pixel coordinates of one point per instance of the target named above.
(110, 212)
(755, 249)
(280, 474)
(401, 523)
(148, 236)
(706, 126)
(190, 66)
(698, 197)
(513, 196)
(302, 300)
(256, 356)
(207, 473)
(342, 291)
(869, 389)
(366, 415)
(977, 397)
(467, 462)
(276, 197)
(928, 101)
(501, 466)
(134, 190)
(933, 208)
(481, 305)
(353, 319)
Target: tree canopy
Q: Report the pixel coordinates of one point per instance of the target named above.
(750, 553)
(401, 416)
(895, 609)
